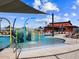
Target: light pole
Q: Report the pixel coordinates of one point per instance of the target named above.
(52, 24)
(43, 3)
(52, 32)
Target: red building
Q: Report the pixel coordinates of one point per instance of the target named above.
(59, 27)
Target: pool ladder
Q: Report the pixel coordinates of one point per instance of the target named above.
(15, 49)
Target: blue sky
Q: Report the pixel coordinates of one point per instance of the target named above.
(64, 10)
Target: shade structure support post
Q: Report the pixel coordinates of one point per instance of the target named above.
(52, 24)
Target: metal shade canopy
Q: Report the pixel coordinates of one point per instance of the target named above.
(17, 6)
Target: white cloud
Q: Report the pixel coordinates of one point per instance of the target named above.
(74, 14)
(77, 2)
(47, 19)
(45, 5)
(49, 16)
(36, 7)
(36, 4)
(38, 20)
(67, 19)
(44, 1)
(66, 15)
(60, 19)
(57, 17)
(74, 7)
(11, 16)
(22, 18)
(50, 6)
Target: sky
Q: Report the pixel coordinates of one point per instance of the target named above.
(63, 10)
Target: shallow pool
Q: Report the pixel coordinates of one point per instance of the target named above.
(41, 40)
(35, 41)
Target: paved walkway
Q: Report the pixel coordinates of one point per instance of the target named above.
(67, 40)
(49, 51)
(7, 54)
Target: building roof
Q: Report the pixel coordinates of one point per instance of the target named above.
(17, 6)
(59, 24)
(72, 26)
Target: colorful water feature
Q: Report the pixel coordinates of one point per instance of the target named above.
(41, 40)
(33, 39)
(27, 38)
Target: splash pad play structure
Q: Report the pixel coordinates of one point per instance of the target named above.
(26, 38)
(11, 7)
(34, 38)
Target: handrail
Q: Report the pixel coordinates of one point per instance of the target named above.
(15, 50)
(13, 43)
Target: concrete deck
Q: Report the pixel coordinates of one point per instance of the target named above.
(7, 54)
(68, 51)
(49, 51)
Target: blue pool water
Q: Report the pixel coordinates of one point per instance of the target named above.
(41, 41)
(44, 42)
(4, 41)
(35, 41)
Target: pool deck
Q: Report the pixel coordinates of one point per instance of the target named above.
(68, 51)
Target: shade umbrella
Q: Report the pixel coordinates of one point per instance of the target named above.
(17, 6)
